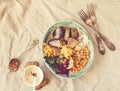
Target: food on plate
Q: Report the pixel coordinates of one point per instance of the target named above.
(14, 64)
(67, 34)
(66, 51)
(72, 42)
(32, 75)
(81, 58)
(74, 33)
(56, 51)
(71, 63)
(55, 43)
(48, 51)
(58, 33)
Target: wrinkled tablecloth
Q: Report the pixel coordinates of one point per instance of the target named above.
(24, 21)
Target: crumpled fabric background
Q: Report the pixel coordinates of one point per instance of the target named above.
(23, 21)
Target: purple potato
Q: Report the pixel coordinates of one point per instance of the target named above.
(59, 33)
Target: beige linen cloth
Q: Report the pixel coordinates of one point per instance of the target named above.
(23, 21)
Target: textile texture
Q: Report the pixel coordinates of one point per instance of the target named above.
(23, 21)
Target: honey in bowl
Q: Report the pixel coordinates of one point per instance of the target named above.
(32, 76)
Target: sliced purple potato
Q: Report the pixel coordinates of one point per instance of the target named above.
(67, 34)
(72, 43)
(55, 43)
(74, 33)
(59, 33)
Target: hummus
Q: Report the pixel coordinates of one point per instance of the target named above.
(32, 75)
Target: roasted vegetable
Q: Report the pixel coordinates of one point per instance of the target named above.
(72, 43)
(51, 60)
(62, 71)
(58, 33)
(67, 34)
(63, 42)
(58, 67)
(56, 51)
(55, 43)
(62, 68)
(74, 33)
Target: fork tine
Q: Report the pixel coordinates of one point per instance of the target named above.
(91, 9)
(92, 6)
(83, 15)
(88, 10)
